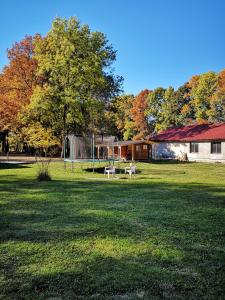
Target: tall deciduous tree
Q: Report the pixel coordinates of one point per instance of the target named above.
(153, 111)
(118, 116)
(17, 82)
(202, 95)
(185, 112)
(170, 111)
(76, 65)
(168, 108)
(217, 111)
(140, 122)
(38, 137)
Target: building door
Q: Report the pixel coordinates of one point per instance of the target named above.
(149, 152)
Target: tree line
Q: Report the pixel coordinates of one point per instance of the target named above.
(64, 83)
(199, 100)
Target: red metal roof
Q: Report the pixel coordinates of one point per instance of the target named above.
(201, 132)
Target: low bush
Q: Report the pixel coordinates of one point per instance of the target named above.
(43, 173)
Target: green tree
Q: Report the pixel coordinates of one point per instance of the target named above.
(166, 108)
(217, 111)
(153, 112)
(202, 94)
(170, 110)
(78, 81)
(119, 116)
(185, 112)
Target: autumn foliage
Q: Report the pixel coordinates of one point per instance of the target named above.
(17, 82)
(140, 123)
(63, 83)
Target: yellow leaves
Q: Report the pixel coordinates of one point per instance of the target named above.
(202, 121)
(185, 109)
(35, 135)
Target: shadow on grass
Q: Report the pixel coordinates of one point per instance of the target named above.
(121, 171)
(100, 170)
(110, 240)
(112, 278)
(170, 162)
(13, 166)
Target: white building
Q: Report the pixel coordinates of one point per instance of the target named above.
(205, 142)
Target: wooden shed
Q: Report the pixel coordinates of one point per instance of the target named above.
(128, 150)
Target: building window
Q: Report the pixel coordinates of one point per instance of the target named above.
(145, 147)
(138, 148)
(193, 147)
(216, 147)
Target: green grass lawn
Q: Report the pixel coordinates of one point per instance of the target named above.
(160, 235)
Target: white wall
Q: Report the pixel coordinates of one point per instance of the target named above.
(172, 150)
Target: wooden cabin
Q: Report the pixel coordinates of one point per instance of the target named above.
(126, 150)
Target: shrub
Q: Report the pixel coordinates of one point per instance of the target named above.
(43, 170)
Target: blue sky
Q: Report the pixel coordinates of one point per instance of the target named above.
(159, 42)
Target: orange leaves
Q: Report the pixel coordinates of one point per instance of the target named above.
(221, 80)
(138, 115)
(193, 82)
(185, 109)
(17, 81)
(202, 121)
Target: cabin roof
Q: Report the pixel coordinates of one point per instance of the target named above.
(124, 143)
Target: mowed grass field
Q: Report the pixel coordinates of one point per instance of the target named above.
(160, 235)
